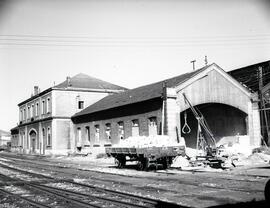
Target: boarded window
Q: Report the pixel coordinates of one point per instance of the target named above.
(152, 126)
(135, 127)
(121, 130)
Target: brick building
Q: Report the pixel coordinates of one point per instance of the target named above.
(44, 119)
(159, 108)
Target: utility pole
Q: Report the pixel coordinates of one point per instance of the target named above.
(193, 64)
(262, 104)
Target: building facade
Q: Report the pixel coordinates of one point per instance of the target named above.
(160, 108)
(44, 119)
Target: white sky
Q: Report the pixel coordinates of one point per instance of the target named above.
(126, 42)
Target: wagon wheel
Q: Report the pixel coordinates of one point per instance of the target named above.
(143, 164)
(120, 162)
(165, 163)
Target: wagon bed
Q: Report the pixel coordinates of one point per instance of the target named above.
(145, 156)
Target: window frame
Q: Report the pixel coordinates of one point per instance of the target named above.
(97, 133)
(80, 104)
(48, 105)
(49, 137)
(121, 128)
(108, 131)
(87, 133)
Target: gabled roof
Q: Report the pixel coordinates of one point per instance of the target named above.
(136, 95)
(79, 82)
(86, 81)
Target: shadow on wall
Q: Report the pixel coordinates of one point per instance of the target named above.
(223, 120)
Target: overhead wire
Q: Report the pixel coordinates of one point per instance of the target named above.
(54, 40)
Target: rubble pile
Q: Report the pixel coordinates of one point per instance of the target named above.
(233, 151)
(147, 141)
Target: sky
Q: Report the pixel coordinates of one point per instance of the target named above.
(126, 42)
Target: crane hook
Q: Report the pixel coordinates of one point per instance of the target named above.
(186, 126)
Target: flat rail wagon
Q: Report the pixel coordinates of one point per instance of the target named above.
(145, 156)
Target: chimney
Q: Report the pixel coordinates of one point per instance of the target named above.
(68, 82)
(36, 90)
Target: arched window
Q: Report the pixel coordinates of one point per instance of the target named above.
(108, 130)
(97, 133)
(152, 124)
(49, 139)
(121, 130)
(79, 137)
(48, 105)
(135, 127)
(37, 109)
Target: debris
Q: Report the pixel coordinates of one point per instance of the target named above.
(180, 162)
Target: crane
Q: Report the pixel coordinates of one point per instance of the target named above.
(206, 143)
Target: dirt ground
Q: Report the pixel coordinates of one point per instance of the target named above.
(237, 187)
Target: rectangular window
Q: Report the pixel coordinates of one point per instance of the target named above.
(43, 110)
(21, 115)
(32, 111)
(48, 105)
(80, 104)
(87, 133)
(79, 137)
(108, 131)
(97, 133)
(121, 131)
(135, 127)
(152, 126)
(49, 139)
(28, 112)
(24, 114)
(37, 109)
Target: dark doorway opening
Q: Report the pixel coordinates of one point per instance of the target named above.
(223, 120)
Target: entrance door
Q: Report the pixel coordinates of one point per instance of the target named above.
(33, 138)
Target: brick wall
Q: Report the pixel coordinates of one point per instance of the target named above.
(151, 109)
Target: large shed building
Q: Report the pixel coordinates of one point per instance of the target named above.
(159, 108)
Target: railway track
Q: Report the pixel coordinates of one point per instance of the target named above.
(192, 183)
(45, 191)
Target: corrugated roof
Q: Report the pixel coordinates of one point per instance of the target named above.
(136, 95)
(86, 81)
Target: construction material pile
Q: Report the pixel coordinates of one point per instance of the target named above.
(147, 141)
